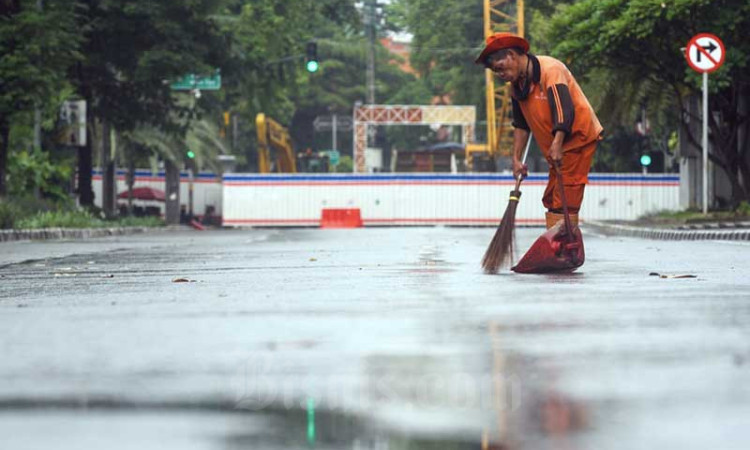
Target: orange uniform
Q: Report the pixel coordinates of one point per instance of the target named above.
(553, 102)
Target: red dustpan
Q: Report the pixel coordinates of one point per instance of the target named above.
(560, 249)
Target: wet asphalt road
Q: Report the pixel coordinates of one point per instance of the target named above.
(370, 338)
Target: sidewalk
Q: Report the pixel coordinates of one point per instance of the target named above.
(70, 233)
(726, 231)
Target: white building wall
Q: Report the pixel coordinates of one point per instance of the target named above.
(431, 199)
(207, 189)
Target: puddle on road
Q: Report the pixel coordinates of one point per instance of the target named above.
(189, 428)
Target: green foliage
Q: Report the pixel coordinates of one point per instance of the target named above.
(447, 35)
(133, 48)
(65, 218)
(60, 219)
(345, 165)
(200, 136)
(265, 72)
(633, 51)
(744, 209)
(29, 171)
(619, 152)
(8, 214)
(36, 47)
(130, 221)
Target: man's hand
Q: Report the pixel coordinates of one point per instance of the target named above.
(520, 170)
(556, 150)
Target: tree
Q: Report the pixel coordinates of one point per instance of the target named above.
(447, 35)
(265, 73)
(642, 40)
(132, 50)
(36, 47)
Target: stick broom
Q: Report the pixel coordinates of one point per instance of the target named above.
(500, 250)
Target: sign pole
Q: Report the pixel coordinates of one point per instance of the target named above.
(333, 131)
(705, 143)
(705, 53)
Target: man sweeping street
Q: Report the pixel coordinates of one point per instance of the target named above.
(547, 102)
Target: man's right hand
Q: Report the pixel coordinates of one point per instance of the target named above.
(520, 170)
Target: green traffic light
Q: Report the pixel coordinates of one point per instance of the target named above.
(190, 154)
(312, 66)
(645, 160)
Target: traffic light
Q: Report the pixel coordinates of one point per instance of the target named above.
(645, 160)
(311, 58)
(190, 154)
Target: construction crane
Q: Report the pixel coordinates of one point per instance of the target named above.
(499, 15)
(272, 135)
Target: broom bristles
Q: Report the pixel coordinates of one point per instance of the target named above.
(500, 251)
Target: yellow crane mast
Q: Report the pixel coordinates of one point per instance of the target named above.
(499, 15)
(272, 135)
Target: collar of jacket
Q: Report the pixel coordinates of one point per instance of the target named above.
(521, 94)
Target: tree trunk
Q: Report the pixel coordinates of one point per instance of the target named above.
(743, 137)
(85, 166)
(131, 182)
(172, 192)
(4, 144)
(109, 183)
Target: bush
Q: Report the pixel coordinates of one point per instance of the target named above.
(148, 221)
(345, 165)
(82, 219)
(60, 219)
(8, 214)
(743, 209)
(28, 171)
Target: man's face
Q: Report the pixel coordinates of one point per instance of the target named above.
(505, 65)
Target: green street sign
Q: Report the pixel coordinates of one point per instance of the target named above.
(333, 157)
(192, 81)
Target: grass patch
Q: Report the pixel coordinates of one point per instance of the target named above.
(60, 219)
(31, 214)
(83, 219)
(741, 214)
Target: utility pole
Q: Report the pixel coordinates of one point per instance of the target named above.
(37, 109)
(370, 15)
(38, 117)
(333, 131)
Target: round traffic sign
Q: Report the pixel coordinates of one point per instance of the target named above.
(705, 53)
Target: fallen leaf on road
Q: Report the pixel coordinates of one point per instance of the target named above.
(313, 259)
(660, 275)
(182, 280)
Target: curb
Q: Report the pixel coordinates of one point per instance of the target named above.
(717, 234)
(69, 233)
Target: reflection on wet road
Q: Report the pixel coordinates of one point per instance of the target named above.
(370, 339)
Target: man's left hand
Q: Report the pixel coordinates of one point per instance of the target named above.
(556, 153)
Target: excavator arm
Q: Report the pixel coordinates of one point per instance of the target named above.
(273, 136)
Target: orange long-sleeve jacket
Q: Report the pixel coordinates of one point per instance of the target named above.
(554, 101)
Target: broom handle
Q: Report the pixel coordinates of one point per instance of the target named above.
(568, 225)
(523, 161)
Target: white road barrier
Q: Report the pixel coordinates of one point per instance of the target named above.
(207, 189)
(431, 199)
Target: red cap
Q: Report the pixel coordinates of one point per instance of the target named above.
(499, 41)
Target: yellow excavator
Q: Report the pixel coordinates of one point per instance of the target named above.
(499, 15)
(273, 136)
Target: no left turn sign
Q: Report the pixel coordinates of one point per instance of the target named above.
(705, 53)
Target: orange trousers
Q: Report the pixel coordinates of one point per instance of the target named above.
(575, 171)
